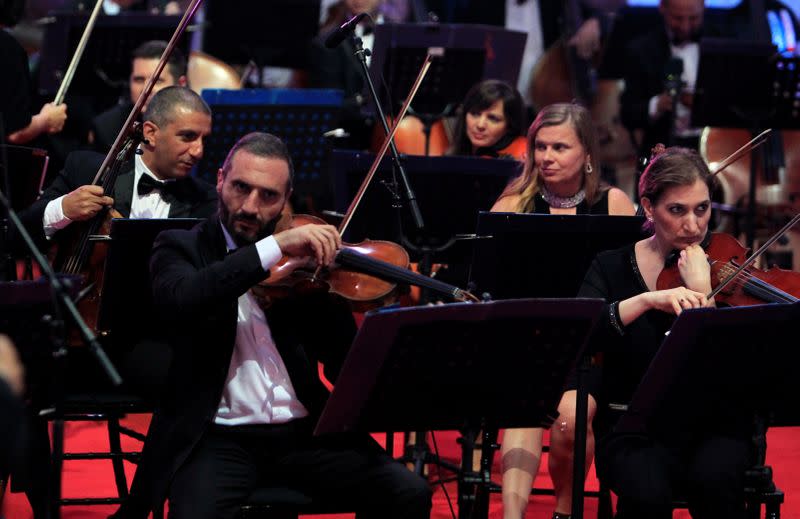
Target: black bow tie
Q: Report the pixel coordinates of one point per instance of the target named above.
(147, 184)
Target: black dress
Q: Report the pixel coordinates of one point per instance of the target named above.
(703, 463)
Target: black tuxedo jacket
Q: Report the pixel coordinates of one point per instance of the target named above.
(196, 286)
(107, 125)
(197, 199)
(645, 60)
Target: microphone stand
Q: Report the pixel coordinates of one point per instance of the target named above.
(7, 272)
(61, 301)
(420, 451)
(361, 54)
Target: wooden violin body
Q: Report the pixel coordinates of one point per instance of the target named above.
(297, 275)
(751, 287)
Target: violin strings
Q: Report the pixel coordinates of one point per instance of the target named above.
(757, 287)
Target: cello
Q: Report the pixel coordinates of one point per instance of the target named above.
(79, 254)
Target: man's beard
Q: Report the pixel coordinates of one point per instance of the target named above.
(240, 238)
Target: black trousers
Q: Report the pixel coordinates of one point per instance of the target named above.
(648, 475)
(350, 469)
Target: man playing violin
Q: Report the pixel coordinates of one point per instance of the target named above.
(244, 392)
(703, 463)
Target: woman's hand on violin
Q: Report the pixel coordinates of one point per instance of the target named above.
(676, 300)
(694, 268)
(320, 242)
(85, 202)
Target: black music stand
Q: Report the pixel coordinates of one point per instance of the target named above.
(460, 366)
(764, 97)
(271, 32)
(511, 263)
(300, 117)
(126, 281)
(106, 63)
(451, 189)
(715, 355)
(470, 53)
(27, 170)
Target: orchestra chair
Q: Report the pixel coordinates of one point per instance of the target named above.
(101, 406)
(97, 402)
(760, 489)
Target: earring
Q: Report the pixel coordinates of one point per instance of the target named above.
(589, 168)
(650, 219)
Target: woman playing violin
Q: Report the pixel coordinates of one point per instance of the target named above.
(490, 122)
(707, 461)
(560, 177)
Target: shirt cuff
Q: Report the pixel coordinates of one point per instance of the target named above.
(268, 252)
(54, 218)
(652, 107)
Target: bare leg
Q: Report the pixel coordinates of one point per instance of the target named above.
(522, 451)
(562, 444)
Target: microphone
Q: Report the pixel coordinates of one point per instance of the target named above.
(337, 36)
(672, 76)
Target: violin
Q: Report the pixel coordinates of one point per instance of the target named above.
(366, 273)
(373, 267)
(733, 281)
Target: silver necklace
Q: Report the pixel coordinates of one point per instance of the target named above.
(562, 202)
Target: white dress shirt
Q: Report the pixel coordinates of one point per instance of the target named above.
(689, 53)
(257, 389)
(149, 206)
(526, 17)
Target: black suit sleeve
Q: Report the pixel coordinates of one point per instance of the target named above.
(597, 285)
(635, 100)
(184, 289)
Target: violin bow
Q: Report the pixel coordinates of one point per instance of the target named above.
(76, 57)
(753, 257)
(385, 146)
(749, 146)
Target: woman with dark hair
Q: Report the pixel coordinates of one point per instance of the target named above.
(560, 176)
(491, 122)
(706, 462)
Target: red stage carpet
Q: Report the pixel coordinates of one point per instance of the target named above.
(85, 478)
